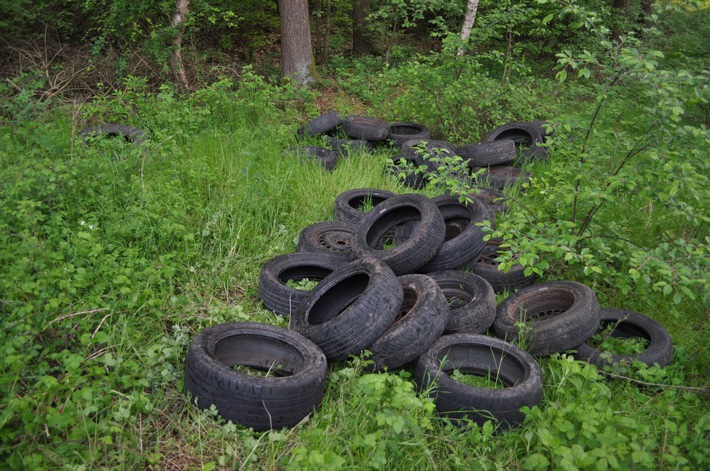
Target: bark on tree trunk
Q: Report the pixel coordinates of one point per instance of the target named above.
(361, 40)
(648, 11)
(296, 47)
(468, 20)
(182, 8)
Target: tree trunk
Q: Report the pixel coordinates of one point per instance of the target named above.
(622, 5)
(361, 39)
(182, 8)
(326, 36)
(648, 11)
(468, 21)
(296, 47)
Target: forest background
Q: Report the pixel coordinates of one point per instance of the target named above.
(113, 257)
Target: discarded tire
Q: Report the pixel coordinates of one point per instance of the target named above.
(422, 244)
(487, 266)
(626, 324)
(320, 125)
(558, 316)
(277, 296)
(350, 308)
(429, 150)
(399, 133)
(502, 176)
(527, 135)
(472, 303)
(463, 240)
(363, 127)
(325, 157)
(494, 199)
(511, 368)
(484, 154)
(343, 147)
(128, 133)
(328, 237)
(419, 323)
(352, 205)
(292, 385)
(411, 178)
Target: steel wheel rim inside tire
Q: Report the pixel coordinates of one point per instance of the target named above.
(559, 315)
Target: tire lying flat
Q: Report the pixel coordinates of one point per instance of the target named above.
(276, 295)
(629, 324)
(481, 356)
(296, 372)
(328, 237)
(350, 205)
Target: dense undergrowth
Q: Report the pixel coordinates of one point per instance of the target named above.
(114, 256)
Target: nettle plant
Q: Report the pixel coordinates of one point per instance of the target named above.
(623, 202)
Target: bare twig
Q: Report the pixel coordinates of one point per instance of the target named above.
(693, 389)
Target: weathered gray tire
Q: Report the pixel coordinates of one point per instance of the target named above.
(293, 389)
(419, 323)
(559, 315)
(320, 125)
(481, 356)
(527, 135)
(471, 300)
(324, 156)
(488, 267)
(363, 127)
(328, 237)
(401, 132)
(484, 154)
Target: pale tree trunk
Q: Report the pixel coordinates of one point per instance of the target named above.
(296, 48)
(182, 8)
(468, 21)
(361, 41)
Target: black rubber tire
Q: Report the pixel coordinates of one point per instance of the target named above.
(471, 301)
(526, 134)
(463, 243)
(484, 154)
(487, 266)
(419, 323)
(320, 125)
(560, 315)
(411, 179)
(628, 324)
(259, 402)
(350, 309)
(343, 147)
(502, 176)
(348, 204)
(328, 237)
(363, 127)
(324, 156)
(282, 299)
(434, 148)
(401, 132)
(128, 133)
(415, 252)
(494, 199)
(481, 356)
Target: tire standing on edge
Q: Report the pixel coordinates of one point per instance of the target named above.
(556, 316)
(419, 323)
(292, 387)
(282, 299)
(350, 308)
(471, 301)
(415, 252)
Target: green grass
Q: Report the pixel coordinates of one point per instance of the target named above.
(114, 258)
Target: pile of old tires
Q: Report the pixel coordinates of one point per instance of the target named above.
(493, 163)
(396, 275)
